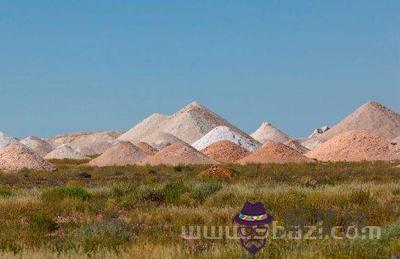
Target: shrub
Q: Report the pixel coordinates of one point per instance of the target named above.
(5, 192)
(43, 224)
(205, 190)
(84, 175)
(105, 235)
(153, 195)
(174, 190)
(119, 190)
(62, 192)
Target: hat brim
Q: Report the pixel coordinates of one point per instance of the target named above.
(240, 221)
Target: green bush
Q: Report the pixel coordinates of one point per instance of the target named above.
(62, 192)
(5, 192)
(84, 175)
(105, 235)
(173, 191)
(119, 190)
(43, 224)
(205, 190)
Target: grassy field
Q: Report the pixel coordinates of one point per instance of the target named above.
(129, 212)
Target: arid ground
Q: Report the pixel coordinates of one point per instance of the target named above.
(82, 211)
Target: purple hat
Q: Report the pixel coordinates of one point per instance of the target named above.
(253, 215)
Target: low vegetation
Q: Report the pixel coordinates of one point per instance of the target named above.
(80, 211)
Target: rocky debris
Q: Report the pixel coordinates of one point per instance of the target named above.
(355, 145)
(38, 145)
(146, 148)
(267, 133)
(217, 172)
(275, 153)
(65, 152)
(123, 153)
(372, 117)
(188, 124)
(87, 143)
(160, 140)
(17, 156)
(6, 140)
(319, 131)
(178, 153)
(296, 145)
(225, 151)
(225, 133)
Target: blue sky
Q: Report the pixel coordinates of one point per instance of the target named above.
(99, 65)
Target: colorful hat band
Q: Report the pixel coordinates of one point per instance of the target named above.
(253, 218)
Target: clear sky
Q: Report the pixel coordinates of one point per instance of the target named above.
(99, 65)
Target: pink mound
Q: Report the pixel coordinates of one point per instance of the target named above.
(123, 153)
(17, 156)
(355, 145)
(275, 153)
(225, 151)
(178, 153)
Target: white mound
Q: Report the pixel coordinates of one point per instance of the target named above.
(267, 133)
(38, 145)
(188, 124)
(17, 156)
(65, 152)
(5, 140)
(226, 133)
(87, 143)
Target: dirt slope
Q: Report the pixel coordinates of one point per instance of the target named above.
(38, 145)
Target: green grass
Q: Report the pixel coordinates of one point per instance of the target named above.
(134, 211)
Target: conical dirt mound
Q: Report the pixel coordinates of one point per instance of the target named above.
(65, 152)
(296, 145)
(355, 145)
(217, 172)
(188, 124)
(5, 140)
(225, 151)
(225, 133)
(123, 153)
(149, 150)
(275, 153)
(267, 133)
(38, 145)
(17, 156)
(140, 131)
(179, 153)
(372, 117)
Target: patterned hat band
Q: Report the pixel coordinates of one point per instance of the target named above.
(253, 218)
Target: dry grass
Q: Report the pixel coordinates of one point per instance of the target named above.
(80, 212)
